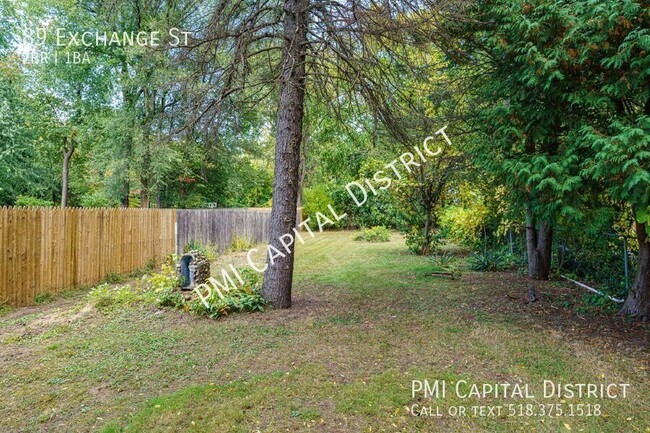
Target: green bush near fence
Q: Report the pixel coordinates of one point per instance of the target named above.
(162, 290)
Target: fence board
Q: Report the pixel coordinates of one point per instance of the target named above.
(219, 226)
(51, 249)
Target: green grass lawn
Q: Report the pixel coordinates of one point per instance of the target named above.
(367, 319)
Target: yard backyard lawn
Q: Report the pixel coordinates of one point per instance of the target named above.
(367, 319)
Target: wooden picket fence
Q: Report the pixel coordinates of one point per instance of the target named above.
(46, 250)
(220, 226)
(51, 249)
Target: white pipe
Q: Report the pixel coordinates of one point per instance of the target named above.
(591, 289)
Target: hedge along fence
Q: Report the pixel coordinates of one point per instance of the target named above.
(50, 249)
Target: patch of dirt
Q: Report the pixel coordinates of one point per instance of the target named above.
(33, 321)
(303, 307)
(508, 293)
(62, 316)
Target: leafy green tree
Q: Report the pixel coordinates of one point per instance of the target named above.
(16, 143)
(565, 107)
(7, 25)
(524, 110)
(611, 58)
(20, 173)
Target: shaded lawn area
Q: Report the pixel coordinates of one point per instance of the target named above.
(367, 319)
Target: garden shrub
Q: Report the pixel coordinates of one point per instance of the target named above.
(98, 199)
(27, 201)
(164, 286)
(597, 258)
(445, 262)
(315, 199)
(379, 210)
(492, 260)
(246, 297)
(417, 244)
(162, 290)
(463, 225)
(442, 259)
(158, 288)
(374, 234)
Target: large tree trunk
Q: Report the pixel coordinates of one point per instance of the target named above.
(144, 198)
(125, 184)
(145, 177)
(65, 172)
(638, 299)
(124, 195)
(146, 170)
(427, 227)
(278, 277)
(539, 243)
(129, 97)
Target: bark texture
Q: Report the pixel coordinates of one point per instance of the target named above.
(638, 299)
(539, 243)
(68, 150)
(145, 177)
(279, 275)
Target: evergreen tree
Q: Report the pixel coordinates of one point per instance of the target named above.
(523, 109)
(612, 43)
